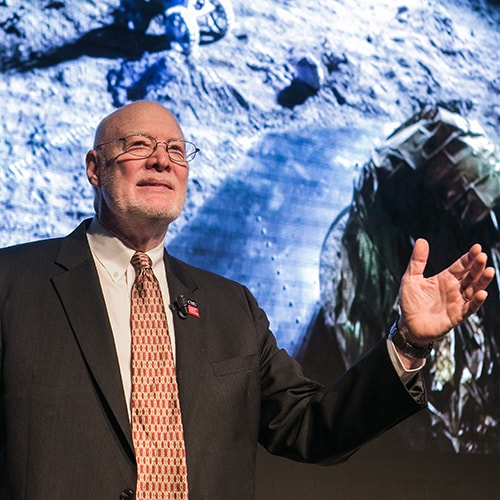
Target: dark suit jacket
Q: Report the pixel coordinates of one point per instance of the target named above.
(64, 428)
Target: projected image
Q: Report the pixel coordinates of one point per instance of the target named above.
(297, 192)
(438, 177)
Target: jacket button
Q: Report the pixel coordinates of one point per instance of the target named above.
(127, 495)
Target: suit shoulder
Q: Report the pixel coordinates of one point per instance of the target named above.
(201, 275)
(28, 252)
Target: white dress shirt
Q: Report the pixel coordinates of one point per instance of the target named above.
(116, 276)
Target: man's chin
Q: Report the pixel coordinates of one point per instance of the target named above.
(157, 215)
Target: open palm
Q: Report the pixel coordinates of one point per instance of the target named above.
(430, 307)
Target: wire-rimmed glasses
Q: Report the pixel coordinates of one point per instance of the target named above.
(143, 146)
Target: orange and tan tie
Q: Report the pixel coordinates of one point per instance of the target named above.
(156, 418)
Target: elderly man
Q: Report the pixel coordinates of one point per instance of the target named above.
(126, 373)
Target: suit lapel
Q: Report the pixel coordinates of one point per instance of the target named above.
(80, 293)
(190, 340)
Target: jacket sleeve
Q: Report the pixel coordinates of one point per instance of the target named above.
(306, 421)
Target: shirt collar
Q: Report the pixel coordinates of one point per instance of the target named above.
(112, 253)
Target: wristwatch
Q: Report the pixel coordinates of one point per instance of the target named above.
(405, 347)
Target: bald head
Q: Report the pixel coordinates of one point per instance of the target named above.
(124, 121)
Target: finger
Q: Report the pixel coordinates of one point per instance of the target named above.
(418, 259)
(475, 273)
(476, 302)
(465, 263)
(483, 281)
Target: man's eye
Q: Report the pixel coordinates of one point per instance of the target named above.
(176, 148)
(138, 144)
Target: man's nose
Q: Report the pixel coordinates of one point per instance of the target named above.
(160, 156)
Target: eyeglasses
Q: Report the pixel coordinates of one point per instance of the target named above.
(143, 146)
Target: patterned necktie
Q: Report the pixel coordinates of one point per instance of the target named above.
(156, 418)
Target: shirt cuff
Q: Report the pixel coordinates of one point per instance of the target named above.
(404, 374)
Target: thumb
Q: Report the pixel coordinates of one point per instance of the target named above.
(418, 259)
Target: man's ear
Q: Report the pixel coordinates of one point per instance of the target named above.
(92, 167)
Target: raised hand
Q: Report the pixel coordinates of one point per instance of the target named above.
(431, 307)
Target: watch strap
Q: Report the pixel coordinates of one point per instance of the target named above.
(405, 347)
